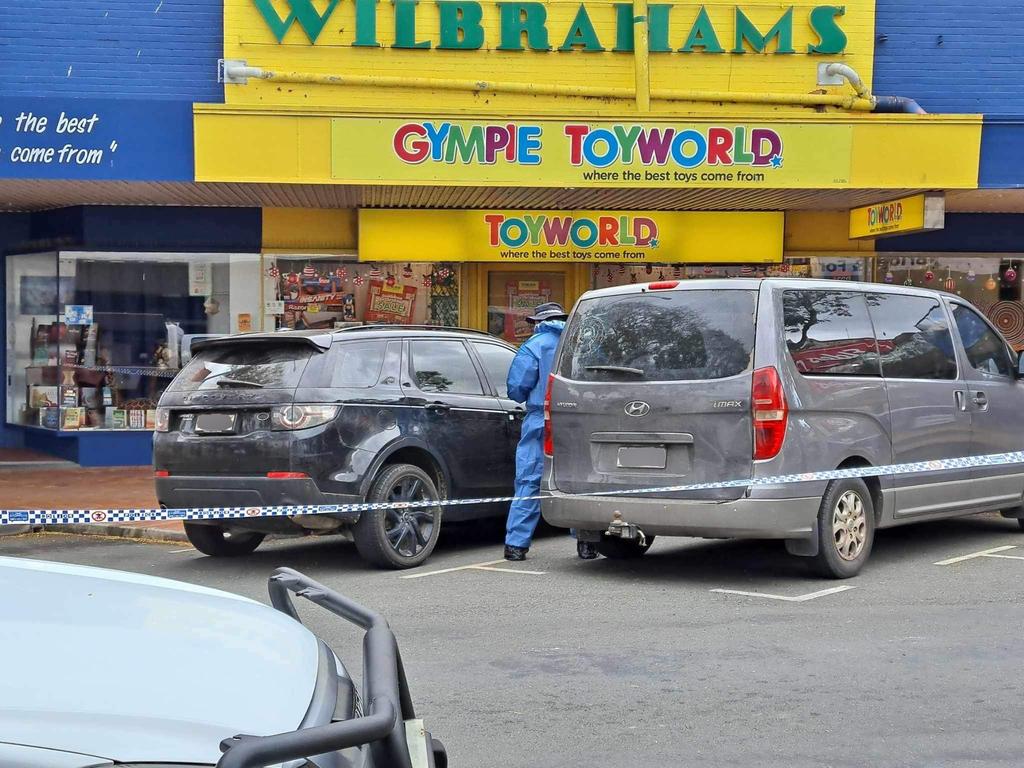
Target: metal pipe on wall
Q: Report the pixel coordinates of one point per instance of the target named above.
(641, 56)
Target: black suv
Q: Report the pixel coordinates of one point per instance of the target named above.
(368, 413)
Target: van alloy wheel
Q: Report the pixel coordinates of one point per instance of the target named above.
(844, 528)
(409, 530)
(849, 525)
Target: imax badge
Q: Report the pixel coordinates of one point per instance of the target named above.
(637, 408)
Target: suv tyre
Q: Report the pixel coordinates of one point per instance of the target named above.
(846, 529)
(399, 538)
(623, 549)
(217, 541)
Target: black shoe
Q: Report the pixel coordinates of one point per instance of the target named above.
(515, 554)
(586, 550)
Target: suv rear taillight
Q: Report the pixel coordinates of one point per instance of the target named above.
(770, 412)
(549, 438)
(288, 417)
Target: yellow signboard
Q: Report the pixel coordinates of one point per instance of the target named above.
(893, 217)
(589, 153)
(748, 46)
(558, 236)
(815, 152)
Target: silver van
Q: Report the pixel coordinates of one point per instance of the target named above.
(702, 381)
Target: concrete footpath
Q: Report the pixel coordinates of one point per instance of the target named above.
(73, 487)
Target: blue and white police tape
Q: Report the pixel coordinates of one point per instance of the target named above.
(105, 516)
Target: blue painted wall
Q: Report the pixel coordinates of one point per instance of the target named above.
(168, 49)
(157, 49)
(973, 69)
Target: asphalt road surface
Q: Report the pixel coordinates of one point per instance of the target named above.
(609, 663)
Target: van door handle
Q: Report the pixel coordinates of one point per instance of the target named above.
(981, 400)
(961, 399)
(438, 409)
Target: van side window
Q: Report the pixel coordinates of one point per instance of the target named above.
(829, 333)
(913, 335)
(986, 351)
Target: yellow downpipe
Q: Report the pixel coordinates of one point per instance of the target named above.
(641, 56)
(851, 102)
(795, 99)
(438, 84)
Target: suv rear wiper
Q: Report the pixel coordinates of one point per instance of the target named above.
(615, 369)
(238, 383)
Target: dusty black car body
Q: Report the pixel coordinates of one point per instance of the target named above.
(233, 430)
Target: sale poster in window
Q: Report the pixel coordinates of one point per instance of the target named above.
(390, 303)
(523, 297)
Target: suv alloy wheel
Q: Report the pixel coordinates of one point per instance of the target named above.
(399, 538)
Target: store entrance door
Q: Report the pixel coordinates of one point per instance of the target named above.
(510, 292)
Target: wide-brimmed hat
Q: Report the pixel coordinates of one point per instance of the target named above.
(551, 310)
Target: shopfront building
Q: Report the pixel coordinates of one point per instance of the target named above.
(457, 163)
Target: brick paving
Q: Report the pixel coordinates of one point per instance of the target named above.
(78, 488)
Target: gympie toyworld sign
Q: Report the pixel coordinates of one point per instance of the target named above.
(594, 236)
(599, 154)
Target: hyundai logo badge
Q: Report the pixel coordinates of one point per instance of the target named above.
(637, 408)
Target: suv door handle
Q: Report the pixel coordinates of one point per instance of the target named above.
(961, 399)
(980, 400)
(438, 409)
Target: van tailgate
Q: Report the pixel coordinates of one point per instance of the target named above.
(653, 389)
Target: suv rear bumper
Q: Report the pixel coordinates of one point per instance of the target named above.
(187, 491)
(747, 518)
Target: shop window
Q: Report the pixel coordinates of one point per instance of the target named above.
(914, 340)
(331, 292)
(829, 333)
(513, 296)
(95, 338)
(609, 276)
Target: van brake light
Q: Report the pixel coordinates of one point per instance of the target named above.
(770, 413)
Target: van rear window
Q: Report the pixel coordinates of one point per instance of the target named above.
(688, 335)
(245, 366)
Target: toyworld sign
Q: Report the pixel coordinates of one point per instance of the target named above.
(468, 25)
(621, 154)
(567, 236)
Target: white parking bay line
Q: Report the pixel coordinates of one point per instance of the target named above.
(452, 570)
(179, 551)
(506, 570)
(983, 553)
(784, 598)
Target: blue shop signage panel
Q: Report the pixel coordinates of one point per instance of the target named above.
(96, 139)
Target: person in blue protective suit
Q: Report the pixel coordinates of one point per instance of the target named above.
(527, 383)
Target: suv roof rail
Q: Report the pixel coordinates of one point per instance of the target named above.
(403, 327)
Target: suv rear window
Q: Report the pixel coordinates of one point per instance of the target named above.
(661, 336)
(247, 365)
